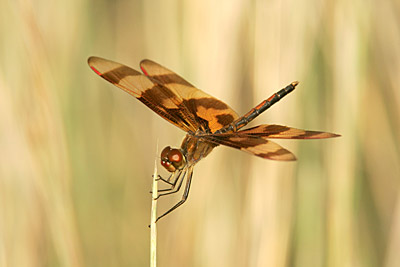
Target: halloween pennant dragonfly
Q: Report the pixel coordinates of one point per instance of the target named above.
(208, 121)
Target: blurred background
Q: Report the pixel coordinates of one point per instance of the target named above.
(77, 154)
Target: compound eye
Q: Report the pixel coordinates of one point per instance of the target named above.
(165, 160)
(172, 159)
(175, 156)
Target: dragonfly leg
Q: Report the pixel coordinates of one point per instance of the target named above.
(184, 196)
(172, 191)
(176, 176)
(167, 181)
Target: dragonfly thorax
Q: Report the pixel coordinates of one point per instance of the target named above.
(172, 159)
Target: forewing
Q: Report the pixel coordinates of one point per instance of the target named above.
(160, 99)
(208, 111)
(285, 132)
(255, 145)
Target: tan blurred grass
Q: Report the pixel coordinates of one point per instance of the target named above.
(75, 166)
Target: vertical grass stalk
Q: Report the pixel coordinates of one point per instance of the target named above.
(153, 227)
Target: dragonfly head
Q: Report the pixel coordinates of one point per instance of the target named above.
(172, 159)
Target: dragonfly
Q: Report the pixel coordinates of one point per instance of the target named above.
(207, 121)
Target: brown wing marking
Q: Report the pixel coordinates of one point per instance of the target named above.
(160, 99)
(285, 132)
(255, 145)
(210, 112)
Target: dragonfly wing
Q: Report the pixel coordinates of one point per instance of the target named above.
(165, 102)
(208, 111)
(285, 132)
(256, 145)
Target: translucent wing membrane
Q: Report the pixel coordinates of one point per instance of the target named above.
(256, 145)
(162, 100)
(285, 132)
(211, 113)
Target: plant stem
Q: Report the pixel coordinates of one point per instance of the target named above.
(153, 227)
